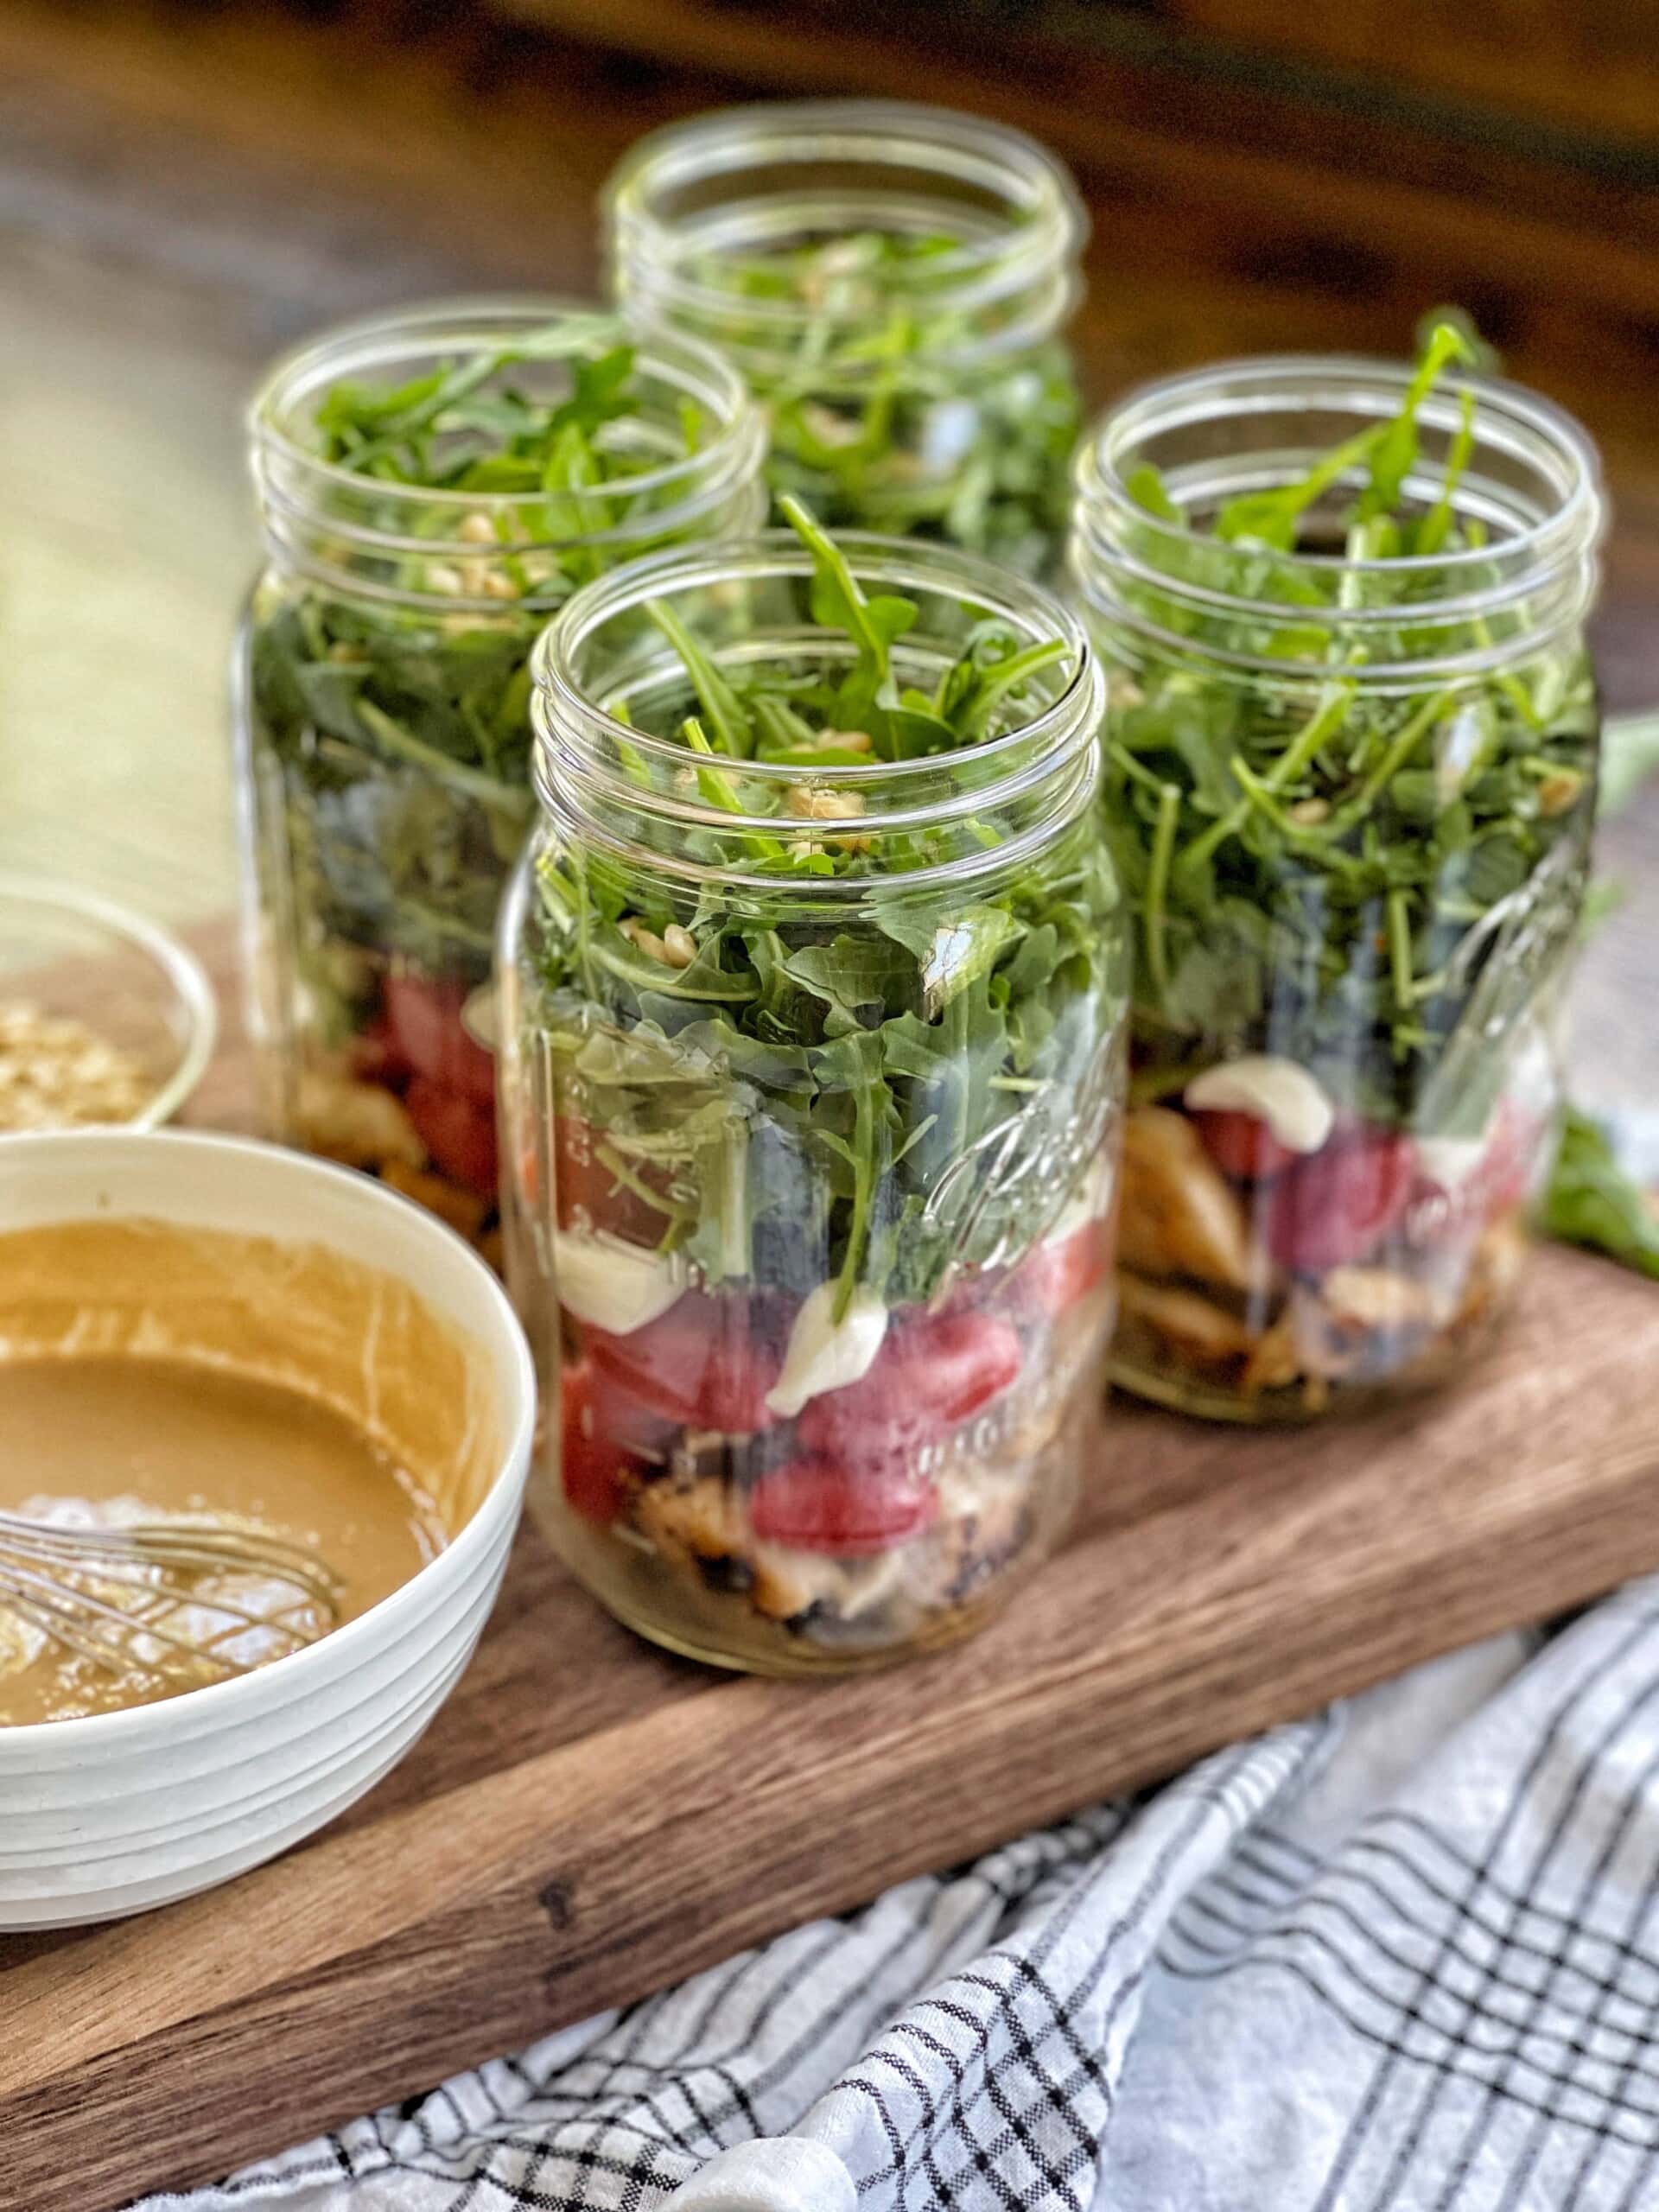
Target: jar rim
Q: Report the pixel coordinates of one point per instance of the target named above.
(1515, 418)
(1032, 250)
(1052, 746)
(477, 323)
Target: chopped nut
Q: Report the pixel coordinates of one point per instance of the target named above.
(679, 946)
(1309, 812)
(444, 576)
(1180, 1215)
(1560, 790)
(808, 804)
(641, 934)
(482, 579)
(477, 528)
(57, 1073)
(840, 740)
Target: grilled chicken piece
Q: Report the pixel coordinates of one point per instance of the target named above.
(1180, 1216)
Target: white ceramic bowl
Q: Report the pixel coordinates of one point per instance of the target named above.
(121, 1811)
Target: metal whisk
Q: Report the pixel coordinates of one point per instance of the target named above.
(150, 1597)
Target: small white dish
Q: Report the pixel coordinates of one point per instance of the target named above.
(117, 1812)
(72, 952)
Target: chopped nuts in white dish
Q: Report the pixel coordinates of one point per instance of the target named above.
(55, 1073)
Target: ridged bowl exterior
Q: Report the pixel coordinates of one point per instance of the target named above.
(118, 1812)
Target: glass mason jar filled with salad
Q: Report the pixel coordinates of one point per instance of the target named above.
(433, 484)
(893, 282)
(813, 996)
(1350, 777)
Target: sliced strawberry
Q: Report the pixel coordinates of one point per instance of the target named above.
(423, 1028)
(1241, 1145)
(1057, 1273)
(699, 1363)
(1335, 1206)
(813, 1506)
(928, 1375)
(458, 1132)
(601, 1438)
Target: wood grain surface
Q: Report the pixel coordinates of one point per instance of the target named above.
(568, 1835)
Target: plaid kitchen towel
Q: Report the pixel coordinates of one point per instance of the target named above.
(1403, 1956)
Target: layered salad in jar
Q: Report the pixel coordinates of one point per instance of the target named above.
(1351, 772)
(815, 1063)
(433, 486)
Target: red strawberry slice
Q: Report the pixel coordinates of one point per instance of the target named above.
(699, 1363)
(1241, 1145)
(602, 1437)
(423, 1029)
(813, 1506)
(1337, 1205)
(458, 1132)
(928, 1375)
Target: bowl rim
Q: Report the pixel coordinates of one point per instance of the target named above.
(241, 1696)
(180, 966)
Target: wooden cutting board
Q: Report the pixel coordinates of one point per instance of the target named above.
(588, 1818)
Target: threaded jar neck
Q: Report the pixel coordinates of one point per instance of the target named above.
(804, 225)
(608, 684)
(689, 450)
(1519, 478)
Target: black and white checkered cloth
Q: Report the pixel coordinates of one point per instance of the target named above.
(1405, 1956)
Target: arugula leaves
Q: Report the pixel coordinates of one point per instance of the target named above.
(388, 687)
(915, 1074)
(1338, 865)
(878, 422)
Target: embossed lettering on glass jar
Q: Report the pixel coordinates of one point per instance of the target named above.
(1352, 746)
(433, 484)
(892, 281)
(811, 1085)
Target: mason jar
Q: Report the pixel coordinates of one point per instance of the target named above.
(811, 1087)
(1350, 779)
(381, 685)
(893, 282)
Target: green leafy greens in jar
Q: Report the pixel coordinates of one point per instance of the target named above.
(433, 486)
(892, 282)
(820, 983)
(1350, 779)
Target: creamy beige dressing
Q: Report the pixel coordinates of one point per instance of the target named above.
(153, 1372)
(117, 1440)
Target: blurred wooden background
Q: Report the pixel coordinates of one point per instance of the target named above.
(186, 184)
